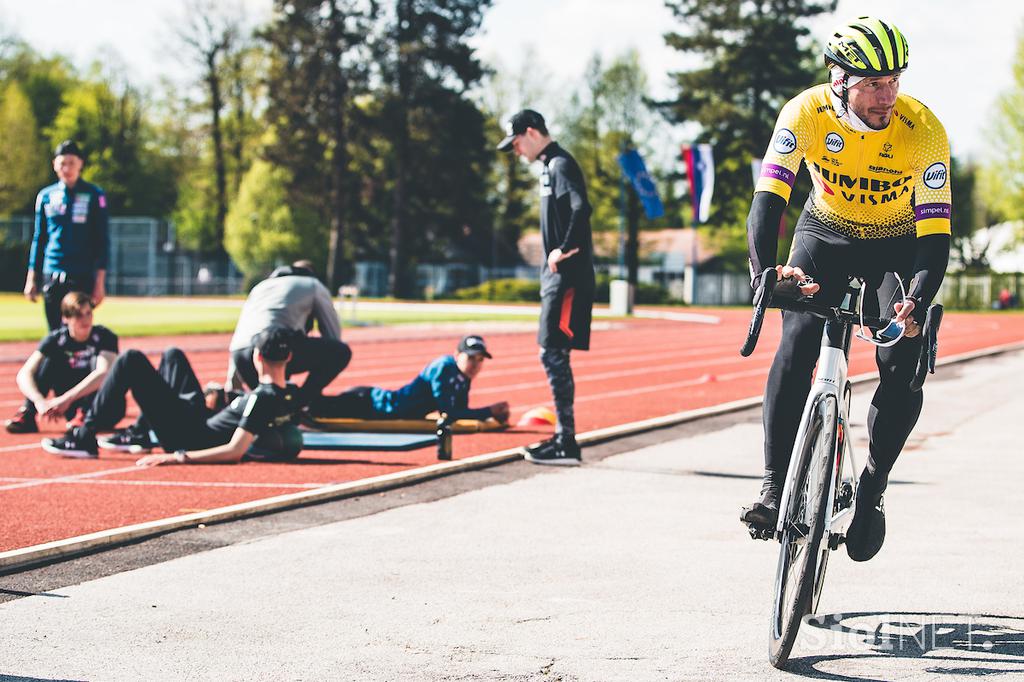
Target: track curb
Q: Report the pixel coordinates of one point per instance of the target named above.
(16, 560)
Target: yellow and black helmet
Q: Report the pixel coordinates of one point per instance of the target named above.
(867, 47)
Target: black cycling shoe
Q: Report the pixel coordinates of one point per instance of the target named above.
(760, 514)
(866, 534)
(764, 513)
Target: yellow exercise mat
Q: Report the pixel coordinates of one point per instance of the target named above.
(404, 425)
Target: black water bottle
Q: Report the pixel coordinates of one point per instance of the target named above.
(444, 437)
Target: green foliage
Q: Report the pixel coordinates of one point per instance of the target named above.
(1002, 179)
(117, 137)
(501, 290)
(755, 56)
(22, 156)
(44, 80)
(968, 215)
(263, 230)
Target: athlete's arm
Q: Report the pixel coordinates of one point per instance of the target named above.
(90, 384)
(763, 232)
(229, 453)
(569, 180)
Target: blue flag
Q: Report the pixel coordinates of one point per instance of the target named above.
(636, 172)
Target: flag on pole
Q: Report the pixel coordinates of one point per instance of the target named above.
(700, 168)
(635, 170)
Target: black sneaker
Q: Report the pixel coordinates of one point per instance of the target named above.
(23, 421)
(556, 451)
(72, 445)
(127, 440)
(866, 533)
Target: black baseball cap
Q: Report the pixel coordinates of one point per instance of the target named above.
(517, 125)
(275, 342)
(68, 147)
(474, 345)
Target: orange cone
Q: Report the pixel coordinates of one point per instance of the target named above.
(538, 416)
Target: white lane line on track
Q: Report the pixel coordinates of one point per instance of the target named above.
(178, 484)
(68, 479)
(23, 446)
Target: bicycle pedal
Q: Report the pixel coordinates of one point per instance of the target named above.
(834, 540)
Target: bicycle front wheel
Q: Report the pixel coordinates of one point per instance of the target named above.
(802, 531)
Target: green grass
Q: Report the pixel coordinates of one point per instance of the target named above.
(23, 321)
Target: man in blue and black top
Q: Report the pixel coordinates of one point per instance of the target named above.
(566, 278)
(71, 241)
(442, 386)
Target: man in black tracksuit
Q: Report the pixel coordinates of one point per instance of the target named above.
(567, 276)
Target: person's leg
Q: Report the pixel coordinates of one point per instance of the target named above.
(563, 389)
(245, 368)
(53, 293)
(355, 403)
(324, 359)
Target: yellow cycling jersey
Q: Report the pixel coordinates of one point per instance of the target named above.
(867, 185)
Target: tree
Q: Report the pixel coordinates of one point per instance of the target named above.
(754, 57)
(22, 156)
(106, 116)
(968, 215)
(212, 36)
(1003, 175)
(318, 65)
(427, 66)
(262, 229)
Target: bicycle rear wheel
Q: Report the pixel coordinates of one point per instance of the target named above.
(802, 531)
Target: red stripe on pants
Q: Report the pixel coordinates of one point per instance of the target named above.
(563, 320)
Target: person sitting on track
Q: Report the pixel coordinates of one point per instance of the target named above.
(291, 297)
(71, 361)
(442, 386)
(174, 408)
(880, 203)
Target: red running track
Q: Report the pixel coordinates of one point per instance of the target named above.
(637, 369)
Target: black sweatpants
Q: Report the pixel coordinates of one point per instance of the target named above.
(324, 359)
(170, 399)
(831, 259)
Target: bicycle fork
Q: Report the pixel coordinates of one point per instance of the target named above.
(830, 380)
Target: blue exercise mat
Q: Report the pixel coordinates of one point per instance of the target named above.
(319, 440)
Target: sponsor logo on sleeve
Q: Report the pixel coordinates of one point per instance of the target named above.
(834, 142)
(785, 141)
(935, 175)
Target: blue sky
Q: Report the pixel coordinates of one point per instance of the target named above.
(961, 52)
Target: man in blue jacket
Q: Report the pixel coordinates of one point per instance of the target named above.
(442, 386)
(71, 242)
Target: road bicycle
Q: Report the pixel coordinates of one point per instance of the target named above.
(818, 498)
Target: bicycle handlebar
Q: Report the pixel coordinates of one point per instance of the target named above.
(786, 295)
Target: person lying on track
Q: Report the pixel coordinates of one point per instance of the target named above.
(71, 362)
(174, 407)
(442, 386)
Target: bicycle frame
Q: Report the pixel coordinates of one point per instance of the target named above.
(831, 379)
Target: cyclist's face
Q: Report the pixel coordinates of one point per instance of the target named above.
(873, 99)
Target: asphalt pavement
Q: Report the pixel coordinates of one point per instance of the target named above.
(632, 567)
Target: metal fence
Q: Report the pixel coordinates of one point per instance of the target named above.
(145, 260)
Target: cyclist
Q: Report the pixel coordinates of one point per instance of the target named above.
(880, 203)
